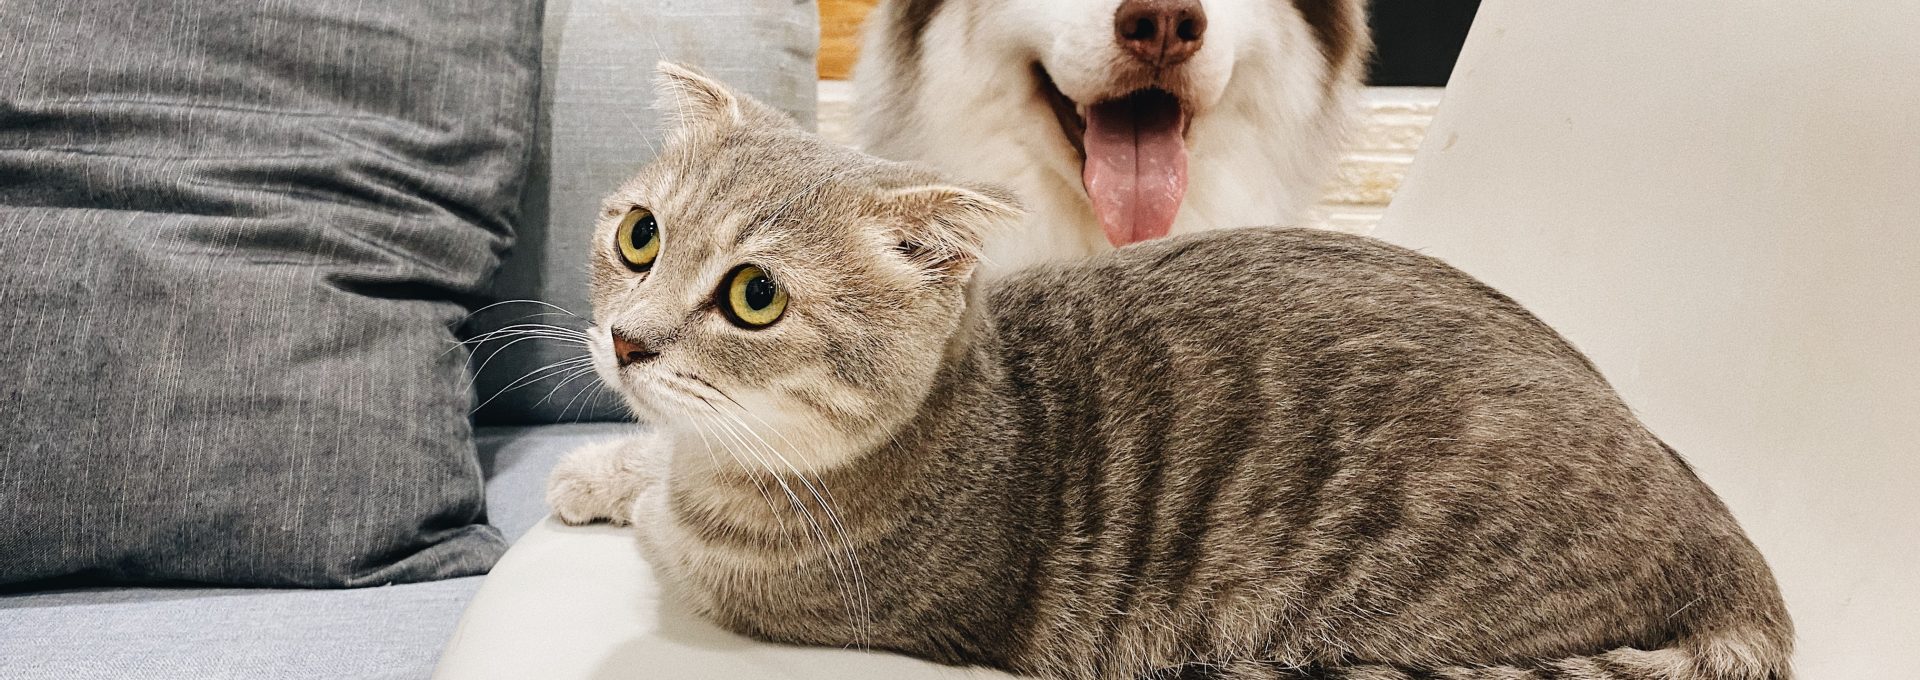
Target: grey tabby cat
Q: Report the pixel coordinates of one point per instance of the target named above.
(1251, 453)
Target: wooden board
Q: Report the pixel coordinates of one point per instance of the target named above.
(840, 36)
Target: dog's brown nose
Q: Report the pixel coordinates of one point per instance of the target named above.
(629, 351)
(1160, 32)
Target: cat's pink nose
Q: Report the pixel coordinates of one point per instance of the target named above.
(1160, 32)
(628, 351)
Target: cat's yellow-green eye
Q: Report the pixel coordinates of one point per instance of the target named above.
(638, 239)
(750, 299)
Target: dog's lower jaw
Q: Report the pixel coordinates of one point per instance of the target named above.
(1250, 165)
(1232, 183)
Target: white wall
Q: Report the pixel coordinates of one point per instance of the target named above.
(1719, 200)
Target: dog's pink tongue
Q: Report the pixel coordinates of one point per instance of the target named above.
(1136, 171)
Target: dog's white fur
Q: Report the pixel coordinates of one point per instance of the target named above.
(1269, 112)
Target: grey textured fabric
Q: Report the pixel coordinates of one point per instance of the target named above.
(599, 127)
(236, 237)
(190, 633)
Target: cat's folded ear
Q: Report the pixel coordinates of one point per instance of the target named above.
(941, 227)
(694, 102)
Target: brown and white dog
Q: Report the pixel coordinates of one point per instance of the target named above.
(1117, 121)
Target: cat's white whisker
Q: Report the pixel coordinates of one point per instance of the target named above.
(518, 332)
(536, 375)
(772, 508)
(538, 335)
(827, 504)
(523, 301)
(475, 344)
(858, 597)
(639, 131)
(544, 372)
(814, 527)
(519, 329)
(592, 397)
(734, 453)
(497, 351)
(535, 325)
(815, 531)
(575, 374)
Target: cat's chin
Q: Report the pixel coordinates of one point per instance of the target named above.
(652, 403)
(646, 395)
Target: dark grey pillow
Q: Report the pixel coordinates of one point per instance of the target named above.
(599, 128)
(236, 237)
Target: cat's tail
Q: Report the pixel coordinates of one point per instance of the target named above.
(1723, 657)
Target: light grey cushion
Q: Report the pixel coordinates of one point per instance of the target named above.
(598, 128)
(191, 633)
(393, 632)
(517, 460)
(237, 236)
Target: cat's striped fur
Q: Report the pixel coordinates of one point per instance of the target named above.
(1254, 453)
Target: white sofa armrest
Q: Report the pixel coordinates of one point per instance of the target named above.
(579, 603)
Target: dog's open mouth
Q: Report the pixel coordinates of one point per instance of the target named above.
(1133, 153)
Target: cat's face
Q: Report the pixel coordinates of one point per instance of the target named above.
(756, 287)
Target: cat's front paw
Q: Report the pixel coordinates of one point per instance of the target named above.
(600, 481)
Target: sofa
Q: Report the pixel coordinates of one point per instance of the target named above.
(591, 64)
